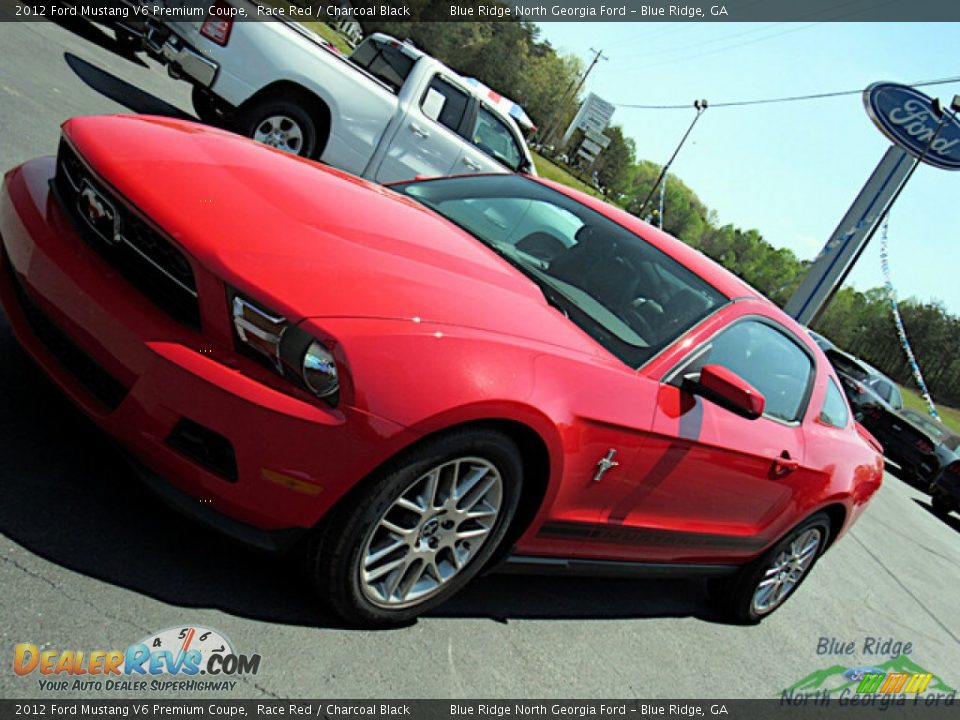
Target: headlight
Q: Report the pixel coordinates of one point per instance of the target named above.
(287, 349)
(319, 370)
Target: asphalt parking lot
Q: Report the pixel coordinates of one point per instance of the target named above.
(89, 560)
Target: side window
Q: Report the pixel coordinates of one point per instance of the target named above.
(444, 103)
(834, 411)
(896, 401)
(385, 62)
(491, 135)
(767, 359)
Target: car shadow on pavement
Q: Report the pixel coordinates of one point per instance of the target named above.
(68, 496)
(951, 520)
(906, 477)
(92, 33)
(121, 91)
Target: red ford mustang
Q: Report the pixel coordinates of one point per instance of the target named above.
(416, 382)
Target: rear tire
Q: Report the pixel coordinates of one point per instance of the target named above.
(281, 123)
(941, 508)
(761, 588)
(420, 530)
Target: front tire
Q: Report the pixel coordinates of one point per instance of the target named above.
(761, 587)
(281, 123)
(420, 530)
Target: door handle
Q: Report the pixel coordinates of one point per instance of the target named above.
(784, 465)
(419, 131)
(472, 164)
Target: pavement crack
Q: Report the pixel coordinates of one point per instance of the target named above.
(82, 600)
(907, 590)
(893, 530)
(258, 686)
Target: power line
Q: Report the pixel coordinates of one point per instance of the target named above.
(791, 98)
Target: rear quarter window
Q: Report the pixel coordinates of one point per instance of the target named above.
(834, 411)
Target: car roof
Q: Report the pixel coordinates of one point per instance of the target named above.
(853, 360)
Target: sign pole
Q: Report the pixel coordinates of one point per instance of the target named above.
(848, 241)
(922, 133)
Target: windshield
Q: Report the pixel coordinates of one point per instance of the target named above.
(629, 296)
(926, 424)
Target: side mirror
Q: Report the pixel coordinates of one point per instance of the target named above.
(725, 388)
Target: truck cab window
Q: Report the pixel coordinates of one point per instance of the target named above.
(386, 63)
(444, 103)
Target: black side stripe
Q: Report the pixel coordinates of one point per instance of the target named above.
(621, 534)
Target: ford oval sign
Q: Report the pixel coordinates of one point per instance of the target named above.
(906, 116)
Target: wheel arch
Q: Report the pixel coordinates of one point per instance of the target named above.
(319, 108)
(837, 513)
(537, 467)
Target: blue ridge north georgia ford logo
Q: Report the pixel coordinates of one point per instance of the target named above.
(907, 117)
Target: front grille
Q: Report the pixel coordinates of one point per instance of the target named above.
(143, 256)
(109, 391)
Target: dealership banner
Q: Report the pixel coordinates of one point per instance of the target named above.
(853, 707)
(491, 10)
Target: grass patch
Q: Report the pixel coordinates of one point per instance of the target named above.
(550, 170)
(331, 35)
(948, 416)
(320, 28)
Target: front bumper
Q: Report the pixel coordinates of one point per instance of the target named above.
(141, 375)
(182, 60)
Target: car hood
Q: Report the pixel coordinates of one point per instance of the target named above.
(308, 240)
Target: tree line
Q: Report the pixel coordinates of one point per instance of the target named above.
(512, 58)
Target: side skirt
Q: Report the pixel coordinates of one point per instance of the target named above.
(534, 565)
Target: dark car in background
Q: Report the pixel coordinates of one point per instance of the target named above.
(946, 442)
(878, 405)
(945, 490)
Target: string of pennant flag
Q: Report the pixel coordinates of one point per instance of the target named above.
(901, 332)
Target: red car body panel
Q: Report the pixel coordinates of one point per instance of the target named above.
(431, 330)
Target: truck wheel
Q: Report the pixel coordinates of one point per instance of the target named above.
(420, 530)
(764, 585)
(281, 124)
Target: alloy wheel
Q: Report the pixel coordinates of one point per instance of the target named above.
(281, 132)
(786, 571)
(430, 532)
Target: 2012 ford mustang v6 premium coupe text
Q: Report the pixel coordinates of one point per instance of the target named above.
(413, 383)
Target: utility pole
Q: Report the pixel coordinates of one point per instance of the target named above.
(700, 106)
(558, 115)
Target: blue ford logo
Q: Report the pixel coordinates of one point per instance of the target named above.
(906, 116)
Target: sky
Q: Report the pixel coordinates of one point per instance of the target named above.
(790, 170)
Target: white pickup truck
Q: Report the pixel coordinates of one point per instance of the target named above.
(388, 112)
